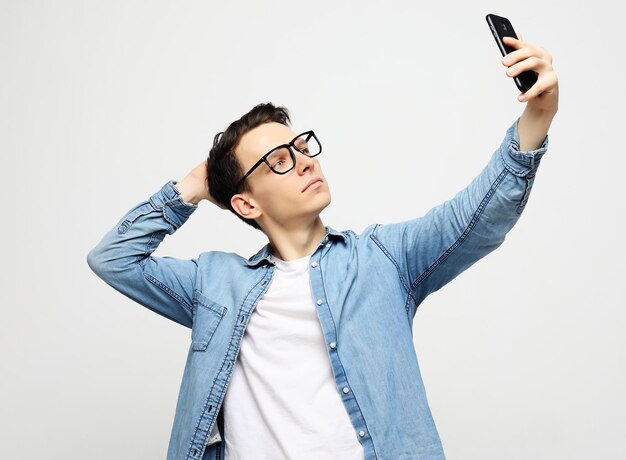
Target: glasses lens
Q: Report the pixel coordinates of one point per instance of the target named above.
(280, 160)
(308, 144)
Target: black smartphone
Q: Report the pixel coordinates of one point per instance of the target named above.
(502, 27)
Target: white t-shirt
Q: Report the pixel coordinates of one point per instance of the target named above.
(282, 401)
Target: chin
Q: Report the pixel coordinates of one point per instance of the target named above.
(327, 202)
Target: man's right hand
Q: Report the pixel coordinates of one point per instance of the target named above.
(195, 186)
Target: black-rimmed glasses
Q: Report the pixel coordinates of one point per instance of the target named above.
(282, 159)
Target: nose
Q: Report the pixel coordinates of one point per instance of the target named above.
(303, 161)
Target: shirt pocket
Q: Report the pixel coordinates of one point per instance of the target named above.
(207, 315)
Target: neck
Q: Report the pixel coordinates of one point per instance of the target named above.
(295, 243)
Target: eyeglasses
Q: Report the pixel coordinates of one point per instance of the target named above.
(282, 159)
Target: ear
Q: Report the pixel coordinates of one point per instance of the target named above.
(245, 206)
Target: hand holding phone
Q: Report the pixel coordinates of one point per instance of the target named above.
(502, 27)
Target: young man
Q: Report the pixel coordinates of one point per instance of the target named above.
(305, 350)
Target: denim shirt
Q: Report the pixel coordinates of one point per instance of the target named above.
(366, 289)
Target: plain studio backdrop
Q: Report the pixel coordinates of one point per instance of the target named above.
(101, 103)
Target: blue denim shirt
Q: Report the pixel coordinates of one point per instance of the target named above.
(366, 289)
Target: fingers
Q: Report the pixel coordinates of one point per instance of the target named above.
(517, 55)
(512, 40)
(525, 57)
(514, 56)
(530, 63)
(543, 83)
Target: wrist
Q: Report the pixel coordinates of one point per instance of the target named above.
(190, 189)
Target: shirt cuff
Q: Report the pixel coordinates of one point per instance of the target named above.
(521, 162)
(169, 200)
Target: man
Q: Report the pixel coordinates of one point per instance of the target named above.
(305, 350)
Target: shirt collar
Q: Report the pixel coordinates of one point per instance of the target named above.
(264, 252)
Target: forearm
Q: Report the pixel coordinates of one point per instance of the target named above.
(533, 127)
(190, 189)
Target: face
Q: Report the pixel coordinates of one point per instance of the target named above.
(279, 198)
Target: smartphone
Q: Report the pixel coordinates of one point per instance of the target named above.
(502, 27)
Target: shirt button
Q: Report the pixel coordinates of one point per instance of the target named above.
(320, 301)
(361, 433)
(333, 345)
(346, 389)
(314, 264)
(327, 245)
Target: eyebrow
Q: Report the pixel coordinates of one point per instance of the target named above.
(283, 144)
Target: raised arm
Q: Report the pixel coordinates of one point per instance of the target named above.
(123, 257)
(431, 250)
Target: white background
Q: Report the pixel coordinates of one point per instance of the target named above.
(101, 103)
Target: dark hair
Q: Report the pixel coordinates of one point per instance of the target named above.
(224, 169)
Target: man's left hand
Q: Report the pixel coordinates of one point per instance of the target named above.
(544, 94)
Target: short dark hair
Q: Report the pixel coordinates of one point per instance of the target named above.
(224, 169)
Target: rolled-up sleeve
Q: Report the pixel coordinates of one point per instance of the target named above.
(522, 163)
(123, 257)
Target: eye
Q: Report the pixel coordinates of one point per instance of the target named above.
(302, 145)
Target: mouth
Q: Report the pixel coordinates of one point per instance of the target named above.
(312, 183)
